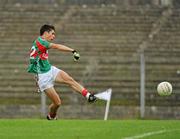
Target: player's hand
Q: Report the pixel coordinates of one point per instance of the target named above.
(76, 55)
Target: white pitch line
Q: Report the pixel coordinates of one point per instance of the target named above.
(149, 134)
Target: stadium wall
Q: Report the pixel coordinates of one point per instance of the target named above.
(91, 112)
(94, 2)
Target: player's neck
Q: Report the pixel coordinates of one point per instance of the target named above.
(43, 37)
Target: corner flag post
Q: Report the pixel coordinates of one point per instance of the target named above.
(107, 105)
(106, 95)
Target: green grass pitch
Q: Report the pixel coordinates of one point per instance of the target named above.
(89, 129)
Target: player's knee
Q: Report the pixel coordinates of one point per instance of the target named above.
(58, 104)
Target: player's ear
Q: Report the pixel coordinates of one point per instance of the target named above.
(45, 33)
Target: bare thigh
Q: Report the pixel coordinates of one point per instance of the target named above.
(65, 78)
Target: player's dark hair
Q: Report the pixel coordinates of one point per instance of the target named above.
(47, 28)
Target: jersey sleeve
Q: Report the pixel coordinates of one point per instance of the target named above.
(44, 43)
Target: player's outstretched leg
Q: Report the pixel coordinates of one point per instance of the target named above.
(63, 77)
(56, 102)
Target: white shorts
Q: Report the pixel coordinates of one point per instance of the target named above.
(46, 80)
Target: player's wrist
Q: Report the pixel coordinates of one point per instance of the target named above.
(73, 51)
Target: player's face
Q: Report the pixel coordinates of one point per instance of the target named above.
(50, 35)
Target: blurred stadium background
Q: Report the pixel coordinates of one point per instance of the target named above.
(111, 36)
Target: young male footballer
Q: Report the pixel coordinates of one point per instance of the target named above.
(47, 74)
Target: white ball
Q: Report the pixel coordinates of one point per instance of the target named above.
(164, 89)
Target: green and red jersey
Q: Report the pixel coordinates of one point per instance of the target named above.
(39, 56)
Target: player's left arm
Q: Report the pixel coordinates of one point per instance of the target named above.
(60, 47)
(64, 48)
